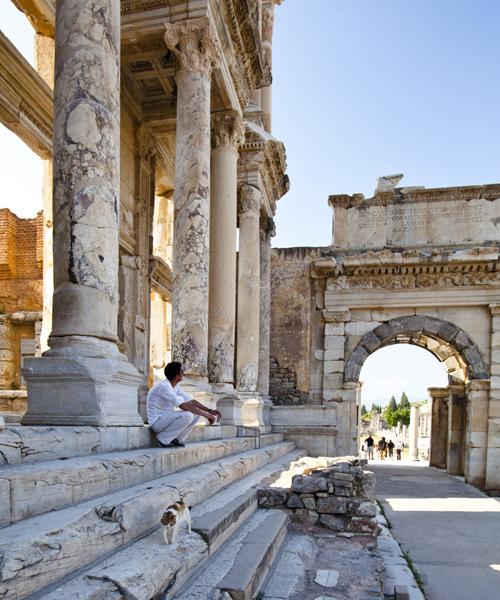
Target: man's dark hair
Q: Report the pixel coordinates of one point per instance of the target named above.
(172, 370)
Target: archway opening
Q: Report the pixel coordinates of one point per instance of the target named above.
(396, 378)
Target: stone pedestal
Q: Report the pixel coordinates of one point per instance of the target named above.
(227, 133)
(83, 378)
(193, 48)
(456, 430)
(476, 435)
(413, 445)
(439, 427)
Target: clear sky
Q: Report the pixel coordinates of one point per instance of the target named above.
(362, 88)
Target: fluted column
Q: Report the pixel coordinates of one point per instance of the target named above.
(83, 379)
(266, 233)
(227, 134)
(193, 48)
(247, 354)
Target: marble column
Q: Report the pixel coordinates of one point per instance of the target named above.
(44, 64)
(456, 424)
(247, 354)
(267, 231)
(83, 378)
(476, 434)
(193, 48)
(413, 445)
(493, 453)
(439, 427)
(266, 96)
(227, 134)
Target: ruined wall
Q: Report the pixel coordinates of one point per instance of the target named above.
(292, 308)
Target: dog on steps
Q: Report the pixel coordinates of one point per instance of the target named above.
(175, 516)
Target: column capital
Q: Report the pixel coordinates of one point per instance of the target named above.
(193, 45)
(250, 199)
(438, 392)
(227, 129)
(478, 385)
(495, 310)
(267, 229)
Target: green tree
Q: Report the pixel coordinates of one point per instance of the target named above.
(405, 403)
(363, 410)
(393, 405)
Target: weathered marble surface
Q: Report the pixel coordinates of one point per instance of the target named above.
(268, 230)
(227, 134)
(193, 50)
(247, 357)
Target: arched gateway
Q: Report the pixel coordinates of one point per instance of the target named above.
(409, 265)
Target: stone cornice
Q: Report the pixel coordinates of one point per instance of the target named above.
(403, 195)
(41, 14)
(412, 268)
(161, 277)
(25, 100)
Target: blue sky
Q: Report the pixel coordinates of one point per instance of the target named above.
(362, 88)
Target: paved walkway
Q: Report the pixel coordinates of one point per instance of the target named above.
(451, 530)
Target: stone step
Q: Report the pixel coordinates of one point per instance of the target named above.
(38, 551)
(242, 562)
(30, 490)
(270, 438)
(217, 518)
(254, 560)
(32, 444)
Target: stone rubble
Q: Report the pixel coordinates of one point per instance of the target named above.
(336, 494)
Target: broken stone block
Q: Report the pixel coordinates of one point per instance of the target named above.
(333, 522)
(271, 497)
(308, 502)
(332, 505)
(305, 517)
(294, 501)
(366, 509)
(304, 483)
(363, 525)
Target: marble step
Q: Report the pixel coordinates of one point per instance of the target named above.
(30, 490)
(242, 563)
(270, 438)
(39, 551)
(217, 518)
(21, 444)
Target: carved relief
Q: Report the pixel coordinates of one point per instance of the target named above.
(227, 129)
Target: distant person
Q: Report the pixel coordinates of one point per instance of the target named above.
(382, 448)
(390, 448)
(172, 413)
(364, 450)
(369, 447)
(399, 449)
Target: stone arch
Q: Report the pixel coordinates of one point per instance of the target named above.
(449, 343)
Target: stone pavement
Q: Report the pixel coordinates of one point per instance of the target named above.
(450, 529)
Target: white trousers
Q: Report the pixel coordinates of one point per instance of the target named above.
(174, 424)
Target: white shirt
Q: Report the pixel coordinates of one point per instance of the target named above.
(399, 445)
(163, 398)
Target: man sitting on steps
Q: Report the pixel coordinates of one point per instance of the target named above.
(173, 426)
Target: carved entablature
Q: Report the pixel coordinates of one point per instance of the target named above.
(161, 277)
(410, 269)
(264, 154)
(243, 20)
(25, 100)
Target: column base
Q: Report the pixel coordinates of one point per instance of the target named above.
(82, 390)
(200, 389)
(243, 409)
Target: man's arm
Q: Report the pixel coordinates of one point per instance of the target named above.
(206, 409)
(194, 407)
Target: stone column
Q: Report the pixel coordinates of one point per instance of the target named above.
(247, 355)
(493, 453)
(227, 134)
(413, 445)
(266, 96)
(44, 64)
(193, 48)
(439, 427)
(83, 379)
(267, 231)
(476, 434)
(456, 423)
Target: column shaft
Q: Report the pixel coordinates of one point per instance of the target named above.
(267, 231)
(247, 356)
(476, 436)
(414, 418)
(456, 423)
(227, 133)
(439, 427)
(192, 47)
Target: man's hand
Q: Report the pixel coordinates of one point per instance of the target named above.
(211, 419)
(216, 413)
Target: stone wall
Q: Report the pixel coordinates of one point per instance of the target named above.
(283, 386)
(292, 305)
